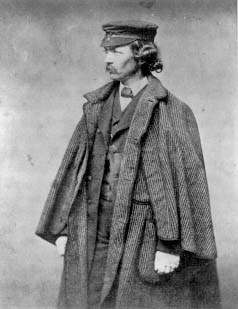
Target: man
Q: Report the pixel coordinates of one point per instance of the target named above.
(130, 200)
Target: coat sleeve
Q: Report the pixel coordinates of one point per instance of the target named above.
(171, 247)
(189, 187)
(176, 179)
(53, 220)
(193, 131)
(195, 213)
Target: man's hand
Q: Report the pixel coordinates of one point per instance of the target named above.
(166, 263)
(61, 244)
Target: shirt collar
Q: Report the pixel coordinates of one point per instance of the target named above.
(136, 86)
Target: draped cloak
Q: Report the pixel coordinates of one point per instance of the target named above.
(163, 142)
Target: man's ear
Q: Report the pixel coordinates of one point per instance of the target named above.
(141, 62)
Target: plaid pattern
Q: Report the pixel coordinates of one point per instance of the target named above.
(163, 143)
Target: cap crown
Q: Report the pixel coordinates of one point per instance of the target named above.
(125, 32)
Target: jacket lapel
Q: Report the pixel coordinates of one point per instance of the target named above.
(153, 93)
(126, 115)
(104, 122)
(97, 108)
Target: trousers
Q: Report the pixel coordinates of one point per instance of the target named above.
(96, 275)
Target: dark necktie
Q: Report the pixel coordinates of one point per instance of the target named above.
(126, 92)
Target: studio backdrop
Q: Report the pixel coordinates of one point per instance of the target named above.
(50, 55)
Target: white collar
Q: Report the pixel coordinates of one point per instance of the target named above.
(136, 86)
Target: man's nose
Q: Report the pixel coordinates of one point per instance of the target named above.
(108, 58)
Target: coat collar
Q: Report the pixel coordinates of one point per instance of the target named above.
(101, 94)
(153, 93)
(154, 90)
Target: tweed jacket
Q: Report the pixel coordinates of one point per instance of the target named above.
(163, 140)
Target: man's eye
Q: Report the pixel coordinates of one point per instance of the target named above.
(109, 51)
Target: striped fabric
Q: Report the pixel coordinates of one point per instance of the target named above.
(58, 204)
(162, 153)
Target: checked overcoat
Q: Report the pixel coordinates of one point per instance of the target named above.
(162, 147)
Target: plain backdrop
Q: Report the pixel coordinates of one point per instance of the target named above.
(50, 56)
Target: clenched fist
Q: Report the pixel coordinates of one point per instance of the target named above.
(165, 263)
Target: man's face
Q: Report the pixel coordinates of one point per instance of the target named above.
(120, 63)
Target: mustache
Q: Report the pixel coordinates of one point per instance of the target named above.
(109, 68)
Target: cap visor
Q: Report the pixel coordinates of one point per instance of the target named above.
(116, 41)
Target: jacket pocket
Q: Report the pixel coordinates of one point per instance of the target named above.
(140, 202)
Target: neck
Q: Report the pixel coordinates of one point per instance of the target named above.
(132, 79)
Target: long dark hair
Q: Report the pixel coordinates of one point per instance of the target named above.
(147, 54)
